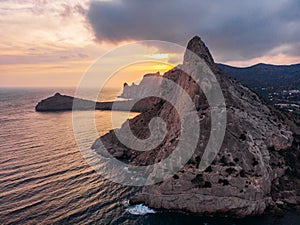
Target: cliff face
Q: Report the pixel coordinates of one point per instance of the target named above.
(149, 84)
(243, 178)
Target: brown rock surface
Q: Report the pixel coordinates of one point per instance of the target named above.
(245, 177)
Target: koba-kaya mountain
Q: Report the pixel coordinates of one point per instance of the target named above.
(149, 84)
(255, 169)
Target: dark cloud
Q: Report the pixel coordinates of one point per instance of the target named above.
(234, 30)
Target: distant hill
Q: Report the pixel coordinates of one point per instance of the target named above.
(264, 75)
(277, 85)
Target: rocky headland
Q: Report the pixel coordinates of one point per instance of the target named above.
(60, 102)
(149, 84)
(257, 168)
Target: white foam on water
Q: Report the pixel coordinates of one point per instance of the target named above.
(140, 210)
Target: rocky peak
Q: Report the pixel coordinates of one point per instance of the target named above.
(197, 46)
(157, 74)
(248, 166)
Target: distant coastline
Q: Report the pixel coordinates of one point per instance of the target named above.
(60, 102)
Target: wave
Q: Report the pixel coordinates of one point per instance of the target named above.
(140, 210)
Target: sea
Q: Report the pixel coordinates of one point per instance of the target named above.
(44, 179)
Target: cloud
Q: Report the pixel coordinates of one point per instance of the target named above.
(71, 10)
(234, 30)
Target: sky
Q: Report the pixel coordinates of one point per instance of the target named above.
(53, 43)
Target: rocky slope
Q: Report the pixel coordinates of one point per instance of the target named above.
(258, 155)
(149, 84)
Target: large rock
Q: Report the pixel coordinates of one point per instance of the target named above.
(244, 178)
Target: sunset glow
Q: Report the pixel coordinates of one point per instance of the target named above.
(159, 56)
(52, 43)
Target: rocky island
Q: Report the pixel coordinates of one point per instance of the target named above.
(257, 168)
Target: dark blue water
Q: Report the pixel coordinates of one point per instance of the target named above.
(45, 180)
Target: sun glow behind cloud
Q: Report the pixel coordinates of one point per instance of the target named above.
(48, 43)
(133, 73)
(159, 56)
